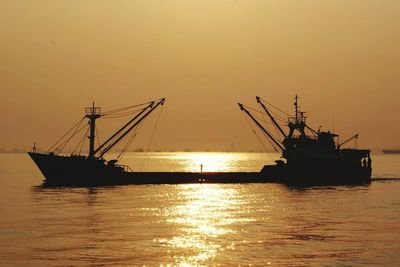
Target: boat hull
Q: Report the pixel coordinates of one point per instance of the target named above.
(80, 171)
(64, 170)
(317, 174)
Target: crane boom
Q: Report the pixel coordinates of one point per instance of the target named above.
(160, 102)
(348, 140)
(259, 100)
(260, 126)
(123, 127)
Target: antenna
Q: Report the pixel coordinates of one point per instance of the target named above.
(296, 107)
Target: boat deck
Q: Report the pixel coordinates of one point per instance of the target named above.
(195, 177)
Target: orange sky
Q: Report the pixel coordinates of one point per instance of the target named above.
(341, 57)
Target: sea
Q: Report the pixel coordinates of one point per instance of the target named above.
(198, 224)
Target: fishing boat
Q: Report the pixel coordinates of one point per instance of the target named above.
(78, 169)
(308, 156)
(306, 159)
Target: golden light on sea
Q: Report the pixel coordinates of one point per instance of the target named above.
(208, 162)
(206, 214)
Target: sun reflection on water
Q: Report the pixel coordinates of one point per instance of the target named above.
(209, 162)
(205, 215)
(193, 161)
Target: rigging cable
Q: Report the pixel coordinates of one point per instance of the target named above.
(80, 143)
(151, 137)
(275, 127)
(62, 137)
(258, 138)
(280, 118)
(84, 139)
(128, 143)
(125, 108)
(284, 112)
(119, 115)
(118, 134)
(97, 135)
(64, 144)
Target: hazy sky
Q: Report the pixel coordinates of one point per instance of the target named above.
(341, 57)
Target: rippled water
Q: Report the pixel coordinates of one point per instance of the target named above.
(202, 224)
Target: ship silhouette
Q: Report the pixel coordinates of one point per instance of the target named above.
(310, 156)
(306, 159)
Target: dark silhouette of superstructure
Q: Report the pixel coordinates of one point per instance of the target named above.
(310, 156)
(309, 159)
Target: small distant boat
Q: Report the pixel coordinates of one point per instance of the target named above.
(309, 156)
(391, 151)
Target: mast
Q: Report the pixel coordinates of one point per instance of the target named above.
(260, 126)
(298, 122)
(92, 113)
(259, 100)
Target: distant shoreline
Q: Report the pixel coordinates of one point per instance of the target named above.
(153, 151)
(376, 152)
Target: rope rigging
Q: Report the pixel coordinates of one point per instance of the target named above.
(109, 143)
(273, 124)
(62, 137)
(84, 140)
(122, 114)
(151, 138)
(262, 118)
(80, 143)
(113, 111)
(259, 139)
(261, 127)
(281, 119)
(97, 136)
(269, 104)
(139, 113)
(62, 146)
(128, 127)
(128, 143)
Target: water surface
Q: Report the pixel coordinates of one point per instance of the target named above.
(201, 224)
